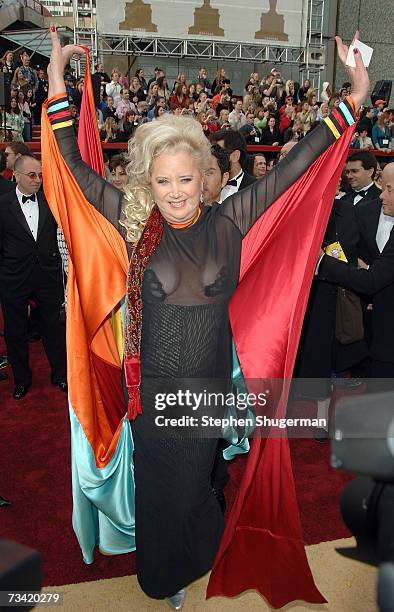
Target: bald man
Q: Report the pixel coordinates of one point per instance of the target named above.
(376, 222)
(30, 265)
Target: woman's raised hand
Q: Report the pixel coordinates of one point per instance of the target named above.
(60, 57)
(358, 76)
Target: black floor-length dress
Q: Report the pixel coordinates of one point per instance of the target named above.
(185, 333)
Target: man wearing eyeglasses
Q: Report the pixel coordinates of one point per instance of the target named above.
(30, 265)
(12, 151)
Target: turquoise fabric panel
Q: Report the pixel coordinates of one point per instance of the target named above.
(237, 445)
(103, 498)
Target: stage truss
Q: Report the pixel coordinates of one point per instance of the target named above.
(311, 59)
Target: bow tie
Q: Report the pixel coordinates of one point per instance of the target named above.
(233, 182)
(361, 193)
(29, 198)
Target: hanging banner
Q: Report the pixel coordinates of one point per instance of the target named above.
(258, 21)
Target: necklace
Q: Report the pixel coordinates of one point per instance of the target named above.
(188, 223)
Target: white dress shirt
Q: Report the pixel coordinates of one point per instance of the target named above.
(228, 190)
(385, 226)
(30, 210)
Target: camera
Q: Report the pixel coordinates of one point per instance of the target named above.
(363, 443)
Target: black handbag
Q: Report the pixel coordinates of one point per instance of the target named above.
(349, 325)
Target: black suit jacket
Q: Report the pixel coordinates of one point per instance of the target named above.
(19, 252)
(246, 181)
(318, 352)
(369, 196)
(378, 280)
(6, 186)
(367, 216)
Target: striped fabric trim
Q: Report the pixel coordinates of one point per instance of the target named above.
(338, 122)
(63, 105)
(346, 113)
(57, 98)
(332, 127)
(56, 126)
(58, 114)
(66, 117)
(340, 119)
(63, 116)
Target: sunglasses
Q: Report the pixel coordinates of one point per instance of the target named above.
(32, 175)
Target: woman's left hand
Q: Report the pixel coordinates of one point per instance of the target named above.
(358, 76)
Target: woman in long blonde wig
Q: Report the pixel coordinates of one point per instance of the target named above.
(168, 134)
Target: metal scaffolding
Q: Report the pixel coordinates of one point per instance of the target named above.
(310, 59)
(315, 60)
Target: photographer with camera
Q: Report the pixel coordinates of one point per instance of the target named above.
(272, 86)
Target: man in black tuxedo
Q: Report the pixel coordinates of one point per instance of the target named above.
(234, 143)
(360, 172)
(5, 187)
(375, 222)
(30, 264)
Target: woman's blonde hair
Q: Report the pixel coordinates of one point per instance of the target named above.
(169, 134)
(15, 79)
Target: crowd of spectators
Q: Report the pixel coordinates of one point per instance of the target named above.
(270, 111)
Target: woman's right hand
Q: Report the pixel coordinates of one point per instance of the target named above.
(60, 57)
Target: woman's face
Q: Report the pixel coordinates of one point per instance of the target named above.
(203, 118)
(155, 90)
(224, 115)
(9, 57)
(192, 89)
(160, 111)
(13, 103)
(135, 82)
(313, 100)
(20, 76)
(176, 186)
(184, 90)
(21, 97)
(271, 122)
(140, 74)
(305, 106)
(222, 73)
(115, 77)
(119, 177)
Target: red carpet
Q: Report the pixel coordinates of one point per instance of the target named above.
(35, 475)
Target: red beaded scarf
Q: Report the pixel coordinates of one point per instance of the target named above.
(141, 255)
